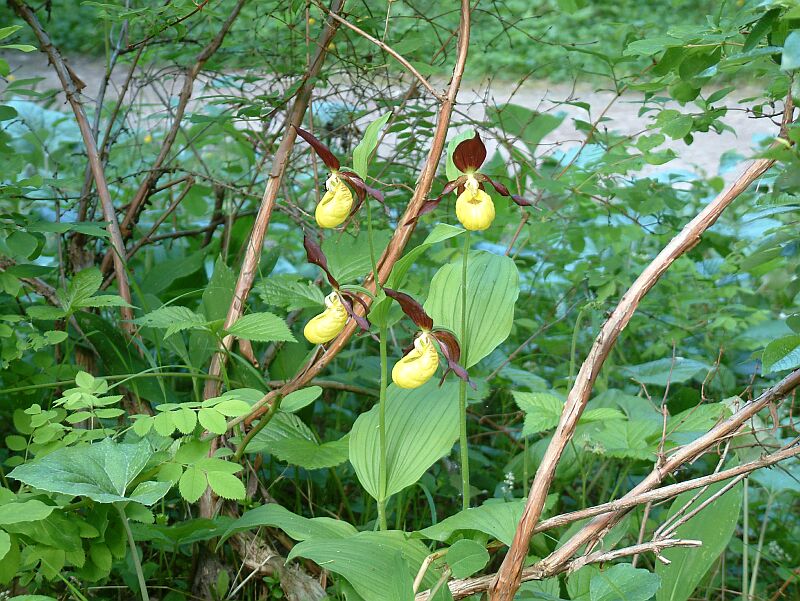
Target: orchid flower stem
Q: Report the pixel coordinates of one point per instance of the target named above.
(382, 429)
(384, 382)
(137, 565)
(462, 391)
(373, 262)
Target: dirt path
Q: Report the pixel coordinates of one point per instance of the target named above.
(702, 156)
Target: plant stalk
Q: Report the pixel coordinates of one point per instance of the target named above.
(382, 429)
(462, 390)
(134, 553)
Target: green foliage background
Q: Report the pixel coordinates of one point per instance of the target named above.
(85, 466)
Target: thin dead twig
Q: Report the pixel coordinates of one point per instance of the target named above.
(69, 84)
(508, 578)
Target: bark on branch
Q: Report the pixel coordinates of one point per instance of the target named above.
(70, 84)
(508, 578)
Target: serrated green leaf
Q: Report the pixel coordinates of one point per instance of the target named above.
(212, 420)
(261, 327)
(225, 485)
(192, 484)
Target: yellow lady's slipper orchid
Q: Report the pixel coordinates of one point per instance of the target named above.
(418, 366)
(327, 325)
(474, 207)
(335, 205)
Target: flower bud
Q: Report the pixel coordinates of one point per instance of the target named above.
(335, 206)
(474, 207)
(418, 366)
(327, 325)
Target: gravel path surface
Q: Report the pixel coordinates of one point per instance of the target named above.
(702, 156)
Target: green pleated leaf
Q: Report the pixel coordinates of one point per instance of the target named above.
(421, 427)
(366, 146)
(380, 566)
(295, 526)
(496, 518)
(623, 582)
(715, 526)
(492, 290)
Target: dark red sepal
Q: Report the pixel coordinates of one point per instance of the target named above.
(361, 187)
(411, 308)
(361, 321)
(470, 154)
(430, 205)
(452, 353)
(315, 255)
(322, 151)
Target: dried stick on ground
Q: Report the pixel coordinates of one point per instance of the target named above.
(146, 188)
(69, 86)
(508, 578)
(559, 560)
(404, 229)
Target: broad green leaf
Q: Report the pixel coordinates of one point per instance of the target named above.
(219, 291)
(466, 557)
(662, 371)
(697, 419)
(366, 146)
(496, 518)
(348, 256)
(715, 526)
(290, 440)
(5, 544)
(24, 511)
(101, 471)
(7, 31)
(783, 353)
(623, 582)
(295, 526)
(543, 412)
(492, 290)
(262, 327)
(421, 427)
(369, 562)
(790, 57)
(439, 233)
(298, 399)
